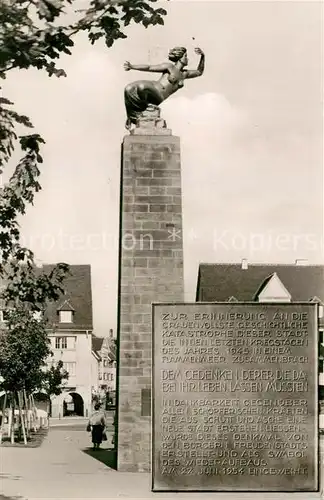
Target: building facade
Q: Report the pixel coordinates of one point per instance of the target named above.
(106, 348)
(70, 333)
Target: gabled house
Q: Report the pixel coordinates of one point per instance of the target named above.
(264, 283)
(70, 332)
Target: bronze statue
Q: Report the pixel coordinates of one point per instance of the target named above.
(144, 93)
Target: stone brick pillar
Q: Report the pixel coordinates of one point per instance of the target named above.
(150, 270)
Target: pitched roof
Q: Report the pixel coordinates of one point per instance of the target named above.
(232, 299)
(77, 292)
(109, 349)
(112, 350)
(65, 306)
(217, 282)
(96, 343)
(96, 355)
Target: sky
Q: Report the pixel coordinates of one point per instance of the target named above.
(251, 141)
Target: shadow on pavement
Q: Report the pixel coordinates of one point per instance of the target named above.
(34, 441)
(107, 456)
(9, 476)
(3, 497)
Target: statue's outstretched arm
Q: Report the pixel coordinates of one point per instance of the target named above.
(194, 73)
(158, 68)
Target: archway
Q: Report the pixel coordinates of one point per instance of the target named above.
(73, 405)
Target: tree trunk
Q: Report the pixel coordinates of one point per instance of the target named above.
(22, 418)
(31, 413)
(12, 430)
(27, 412)
(34, 412)
(3, 417)
(19, 419)
(9, 416)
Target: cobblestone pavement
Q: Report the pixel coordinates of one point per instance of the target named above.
(65, 467)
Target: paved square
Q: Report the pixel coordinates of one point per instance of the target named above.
(64, 467)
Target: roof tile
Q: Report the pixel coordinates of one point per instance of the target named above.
(217, 282)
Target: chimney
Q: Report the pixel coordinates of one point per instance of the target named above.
(111, 333)
(245, 264)
(301, 262)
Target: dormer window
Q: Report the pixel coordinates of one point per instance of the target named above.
(66, 312)
(66, 316)
(320, 306)
(273, 290)
(232, 299)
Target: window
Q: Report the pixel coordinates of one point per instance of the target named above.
(65, 316)
(71, 342)
(321, 366)
(273, 290)
(61, 343)
(321, 336)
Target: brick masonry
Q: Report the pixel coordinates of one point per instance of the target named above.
(150, 270)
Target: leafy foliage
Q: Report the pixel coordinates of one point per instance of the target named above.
(53, 379)
(34, 289)
(24, 346)
(31, 35)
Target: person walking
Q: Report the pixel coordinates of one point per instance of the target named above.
(96, 425)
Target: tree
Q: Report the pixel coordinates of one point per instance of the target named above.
(24, 343)
(53, 378)
(33, 34)
(24, 347)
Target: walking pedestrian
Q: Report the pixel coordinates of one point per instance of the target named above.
(96, 425)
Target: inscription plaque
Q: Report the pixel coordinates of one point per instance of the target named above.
(235, 397)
